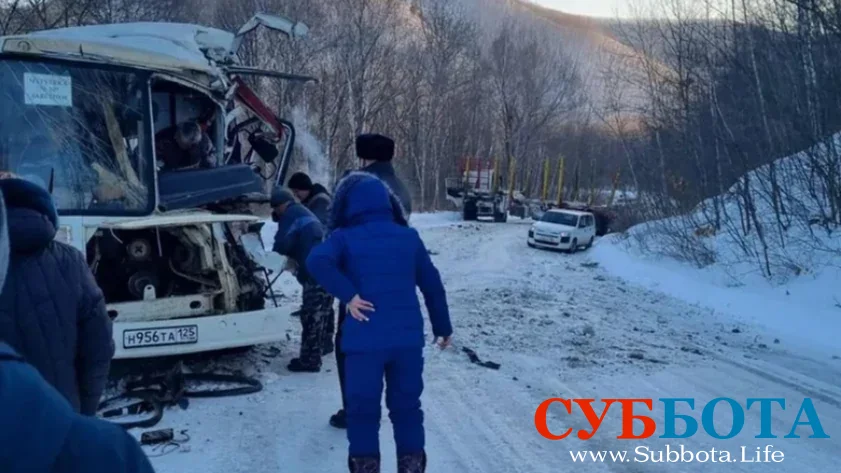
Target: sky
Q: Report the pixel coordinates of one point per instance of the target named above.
(600, 8)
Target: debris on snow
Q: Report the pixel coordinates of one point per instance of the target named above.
(694, 351)
(474, 358)
(636, 355)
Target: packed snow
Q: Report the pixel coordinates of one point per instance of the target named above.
(793, 289)
(804, 311)
(560, 326)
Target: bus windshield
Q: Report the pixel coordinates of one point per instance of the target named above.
(81, 131)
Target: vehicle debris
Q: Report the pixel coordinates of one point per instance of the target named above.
(474, 358)
(143, 401)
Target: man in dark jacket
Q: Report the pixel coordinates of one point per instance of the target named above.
(298, 231)
(184, 146)
(375, 153)
(316, 198)
(51, 310)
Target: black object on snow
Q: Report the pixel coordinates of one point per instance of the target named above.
(153, 437)
(474, 358)
(339, 420)
(148, 397)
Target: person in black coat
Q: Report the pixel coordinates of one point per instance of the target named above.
(39, 430)
(375, 153)
(51, 310)
(314, 196)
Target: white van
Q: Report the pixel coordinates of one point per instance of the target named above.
(560, 229)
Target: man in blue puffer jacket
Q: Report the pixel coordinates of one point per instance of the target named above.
(298, 231)
(373, 263)
(40, 432)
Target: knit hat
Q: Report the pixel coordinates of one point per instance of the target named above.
(374, 147)
(280, 196)
(299, 182)
(22, 193)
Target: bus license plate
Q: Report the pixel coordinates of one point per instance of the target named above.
(157, 337)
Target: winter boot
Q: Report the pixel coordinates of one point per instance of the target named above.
(296, 365)
(339, 420)
(412, 463)
(363, 464)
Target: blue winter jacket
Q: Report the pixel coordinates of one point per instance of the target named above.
(51, 309)
(298, 231)
(385, 171)
(40, 432)
(373, 253)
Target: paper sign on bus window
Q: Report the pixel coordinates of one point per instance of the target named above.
(47, 89)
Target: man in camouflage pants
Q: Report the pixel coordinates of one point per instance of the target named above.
(298, 231)
(317, 200)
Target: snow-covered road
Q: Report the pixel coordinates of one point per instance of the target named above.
(559, 327)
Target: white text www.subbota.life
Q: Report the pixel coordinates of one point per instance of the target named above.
(599, 456)
(681, 454)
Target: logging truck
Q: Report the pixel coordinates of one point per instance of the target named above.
(477, 192)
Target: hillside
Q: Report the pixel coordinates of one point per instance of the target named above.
(601, 52)
(782, 269)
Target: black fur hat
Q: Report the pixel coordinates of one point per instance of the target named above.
(374, 147)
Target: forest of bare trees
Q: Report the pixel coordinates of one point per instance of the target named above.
(444, 79)
(716, 89)
(731, 87)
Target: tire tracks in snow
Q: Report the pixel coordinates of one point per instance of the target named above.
(492, 434)
(651, 323)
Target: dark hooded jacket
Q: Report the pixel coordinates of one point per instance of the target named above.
(318, 202)
(372, 252)
(51, 310)
(41, 433)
